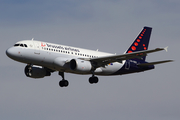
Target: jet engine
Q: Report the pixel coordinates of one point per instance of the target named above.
(80, 65)
(36, 72)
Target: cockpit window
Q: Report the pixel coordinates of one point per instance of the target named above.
(16, 45)
(21, 45)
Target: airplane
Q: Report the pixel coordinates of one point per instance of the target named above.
(43, 58)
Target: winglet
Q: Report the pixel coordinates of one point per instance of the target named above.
(166, 48)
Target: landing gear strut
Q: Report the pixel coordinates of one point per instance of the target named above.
(63, 82)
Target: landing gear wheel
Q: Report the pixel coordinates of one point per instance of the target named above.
(96, 79)
(93, 80)
(63, 83)
(66, 83)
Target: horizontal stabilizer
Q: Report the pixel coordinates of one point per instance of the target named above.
(153, 63)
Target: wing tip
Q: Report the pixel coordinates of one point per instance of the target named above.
(166, 48)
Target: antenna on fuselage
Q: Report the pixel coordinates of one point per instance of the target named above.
(32, 39)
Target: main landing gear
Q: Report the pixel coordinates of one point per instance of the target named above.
(65, 83)
(93, 79)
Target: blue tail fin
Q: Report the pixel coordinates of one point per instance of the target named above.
(141, 42)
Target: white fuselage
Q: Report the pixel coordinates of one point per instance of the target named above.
(56, 57)
(49, 57)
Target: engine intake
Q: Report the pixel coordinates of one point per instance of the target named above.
(80, 65)
(36, 72)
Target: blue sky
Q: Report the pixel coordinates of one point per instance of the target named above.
(109, 26)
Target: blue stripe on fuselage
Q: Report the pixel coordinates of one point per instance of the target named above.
(132, 67)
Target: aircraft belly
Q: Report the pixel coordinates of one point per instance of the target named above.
(110, 69)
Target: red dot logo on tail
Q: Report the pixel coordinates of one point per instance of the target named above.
(136, 44)
(133, 48)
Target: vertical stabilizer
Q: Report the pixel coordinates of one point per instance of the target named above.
(141, 42)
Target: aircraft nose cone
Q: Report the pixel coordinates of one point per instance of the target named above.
(10, 52)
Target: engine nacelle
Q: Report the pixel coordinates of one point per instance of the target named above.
(36, 72)
(80, 65)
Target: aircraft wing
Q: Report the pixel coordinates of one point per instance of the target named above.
(102, 61)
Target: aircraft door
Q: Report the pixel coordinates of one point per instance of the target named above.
(36, 47)
(127, 65)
